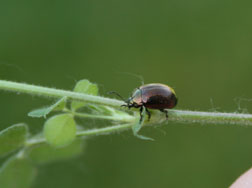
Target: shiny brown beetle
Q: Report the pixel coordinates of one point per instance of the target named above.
(152, 96)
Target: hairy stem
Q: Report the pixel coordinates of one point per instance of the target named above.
(121, 118)
(105, 130)
(157, 117)
(112, 118)
(57, 93)
(91, 132)
(206, 117)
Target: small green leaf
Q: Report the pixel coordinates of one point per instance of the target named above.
(12, 138)
(60, 104)
(43, 112)
(86, 87)
(17, 173)
(137, 127)
(46, 153)
(60, 130)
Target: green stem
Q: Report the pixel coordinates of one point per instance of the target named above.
(174, 115)
(57, 93)
(157, 117)
(105, 130)
(34, 141)
(187, 116)
(127, 118)
(121, 118)
(92, 132)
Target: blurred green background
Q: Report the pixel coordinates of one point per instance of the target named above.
(201, 48)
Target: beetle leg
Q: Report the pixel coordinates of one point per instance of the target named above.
(148, 113)
(165, 111)
(126, 105)
(141, 114)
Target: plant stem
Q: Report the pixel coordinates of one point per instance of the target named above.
(92, 132)
(105, 130)
(57, 93)
(157, 117)
(122, 118)
(34, 141)
(112, 118)
(204, 117)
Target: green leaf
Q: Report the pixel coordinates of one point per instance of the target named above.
(43, 112)
(60, 130)
(17, 173)
(60, 104)
(137, 127)
(45, 153)
(12, 138)
(86, 87)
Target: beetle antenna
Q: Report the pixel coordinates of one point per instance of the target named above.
(117, 94)
(140, 77)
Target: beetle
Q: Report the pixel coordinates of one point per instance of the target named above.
(152, 96)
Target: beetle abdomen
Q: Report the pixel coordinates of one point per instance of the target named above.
(158, 96)
(160, 102)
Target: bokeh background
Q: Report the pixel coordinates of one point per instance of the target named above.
(201, 48)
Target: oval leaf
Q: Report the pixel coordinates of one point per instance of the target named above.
(46, 153)
(17, 173)
(12, 138)
(60, 130)
(86, 87)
